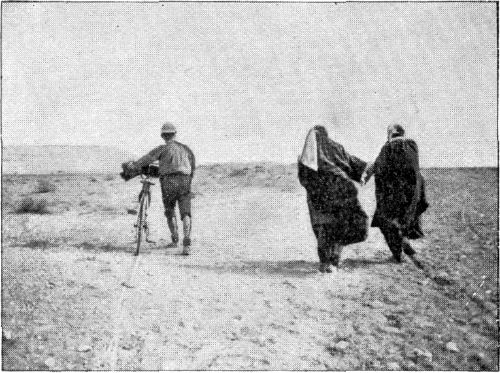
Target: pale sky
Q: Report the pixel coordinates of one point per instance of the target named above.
(245, 81)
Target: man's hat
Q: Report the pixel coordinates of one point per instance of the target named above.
(168, 128)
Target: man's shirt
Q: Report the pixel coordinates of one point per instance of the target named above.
(174, 158)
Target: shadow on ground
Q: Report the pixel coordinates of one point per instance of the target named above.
(350, 264)
(106, 247)
(287, 268)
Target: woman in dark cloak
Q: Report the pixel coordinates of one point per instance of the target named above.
(400, 192)
(328, 172)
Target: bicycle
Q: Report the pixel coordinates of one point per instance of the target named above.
(147, 172)
(141, 226)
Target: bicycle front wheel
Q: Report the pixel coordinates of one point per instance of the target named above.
(141, 220)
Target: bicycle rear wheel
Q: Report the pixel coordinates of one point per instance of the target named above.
(141, 218)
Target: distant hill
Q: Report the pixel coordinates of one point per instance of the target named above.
(44, 159)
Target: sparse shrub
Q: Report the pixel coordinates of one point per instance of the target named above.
(109, 177)
(86, 246)
(93, 180)
(38, 243)
(239, 172)
(30, 205)
(109, 209)
(45, 186)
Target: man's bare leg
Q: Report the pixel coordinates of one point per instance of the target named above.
(174, 230)
(186, 225)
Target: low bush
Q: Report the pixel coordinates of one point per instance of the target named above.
(30, 205)
(37, 243)
(239, 172)
(45, 186)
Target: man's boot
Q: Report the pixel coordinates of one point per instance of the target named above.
(186, 243)
(175, 241)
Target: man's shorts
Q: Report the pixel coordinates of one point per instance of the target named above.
(176, 188)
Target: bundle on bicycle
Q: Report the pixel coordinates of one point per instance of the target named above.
(175, 169)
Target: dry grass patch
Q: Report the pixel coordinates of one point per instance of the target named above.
(38, 243)
(30, 205)
(45, 186)
(239, 172)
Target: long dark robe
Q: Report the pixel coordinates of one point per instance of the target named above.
(399, 187)
(331, 194)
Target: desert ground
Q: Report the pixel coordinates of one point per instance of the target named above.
(250, 295)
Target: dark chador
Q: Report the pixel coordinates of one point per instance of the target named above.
(399, 191)
(328, 172)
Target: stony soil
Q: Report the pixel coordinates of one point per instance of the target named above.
(250, 295)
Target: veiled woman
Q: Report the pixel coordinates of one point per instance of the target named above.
(328, 173)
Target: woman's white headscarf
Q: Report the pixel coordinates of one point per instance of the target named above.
(309, 155)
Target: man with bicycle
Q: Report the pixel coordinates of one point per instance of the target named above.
(176, 170)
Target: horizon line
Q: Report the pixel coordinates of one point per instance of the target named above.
(122, 149)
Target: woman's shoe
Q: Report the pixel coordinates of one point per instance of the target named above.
(335, 260)
(325, 268)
